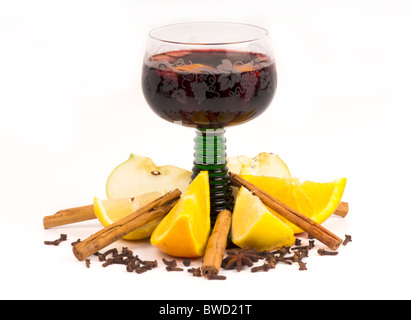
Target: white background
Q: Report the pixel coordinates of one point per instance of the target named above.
(72, 109)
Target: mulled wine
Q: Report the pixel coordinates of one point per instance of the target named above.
(206, 88)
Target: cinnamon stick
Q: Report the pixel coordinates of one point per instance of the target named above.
(84, 213)
(342, 209)
(216, 244)
(67, 216)
(150, 212)
(311, 227)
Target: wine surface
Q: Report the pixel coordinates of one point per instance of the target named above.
(209, 88)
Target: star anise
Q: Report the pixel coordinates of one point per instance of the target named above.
(238, 259)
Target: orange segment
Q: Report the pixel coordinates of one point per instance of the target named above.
(315, 200)
(195, 67)
(325, 197)
(185, 230)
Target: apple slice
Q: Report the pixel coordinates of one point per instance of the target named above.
(139, 175)
(235, 164)
(265, 164)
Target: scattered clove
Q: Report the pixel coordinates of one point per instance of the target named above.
(195, 271)
(63, 237)
(171, 268)
(296, 257)
(213, 276)
(150, 264)
(302, 265)
(171, 263)
(311, 244)
(265, 267)
(146, 265)
(125, 252)
(142, 269)
(347, 239)
(323, 252)
(300, 248)
(271, 261)
(284, 260)
(133, 264)
(102, 256)
(108, 262)
(282, 251)
(75, 242)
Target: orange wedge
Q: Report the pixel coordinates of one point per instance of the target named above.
(195, 67)
(315, 200)
(185, 230)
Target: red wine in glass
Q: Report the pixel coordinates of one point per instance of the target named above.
(209, 88)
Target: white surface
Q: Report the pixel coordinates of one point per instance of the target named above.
(72, 109)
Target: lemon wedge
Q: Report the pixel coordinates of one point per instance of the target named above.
(254, 226)
(109, 211)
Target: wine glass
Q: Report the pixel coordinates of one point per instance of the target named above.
(209, 76)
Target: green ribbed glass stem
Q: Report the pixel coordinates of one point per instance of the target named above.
(210, 155)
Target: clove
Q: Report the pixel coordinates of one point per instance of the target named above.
(63, 237)
(213, 276)
(284, 260)
(311, 244)
(282, 251)
(125, 252)
(150, 264)
(323, 252)
(133, 264)
(142, 269)
(302, 266)
(75, 242)
(195, 271)
(171, 268)
(300, 248)
(170, 263)
(347, 239)
(146, 265)
(265, 267)
(102, 256)
(108, 262)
